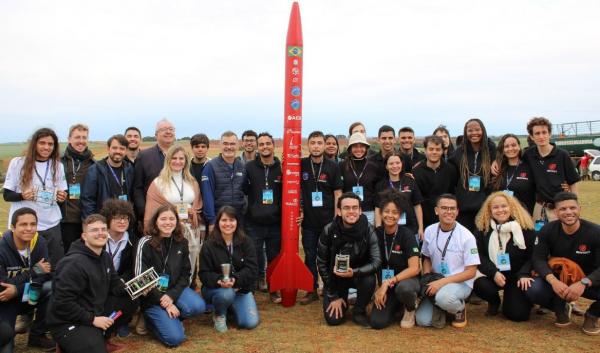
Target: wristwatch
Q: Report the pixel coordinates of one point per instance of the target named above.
(586, 282)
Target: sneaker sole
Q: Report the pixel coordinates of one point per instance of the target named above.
(591, 333)
(562, 324)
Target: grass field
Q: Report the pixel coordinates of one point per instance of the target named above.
(303, 329)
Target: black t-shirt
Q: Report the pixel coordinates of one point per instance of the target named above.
(196, 170)
(363, 173)
(432, 183)
(403, 246)
(519, 180)
(410, 160)
(327, 181)
(471, 201)
(550, 171)
(582, 247)
(116, 181)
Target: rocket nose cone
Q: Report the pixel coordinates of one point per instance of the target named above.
(294, 35)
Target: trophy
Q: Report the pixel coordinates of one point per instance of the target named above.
(137, 285)
(226, 269)
(342, 263)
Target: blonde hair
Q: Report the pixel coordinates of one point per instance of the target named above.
(517, 212)
(80, 127)
(166, 174)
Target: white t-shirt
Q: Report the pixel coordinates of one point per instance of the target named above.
(48, 214)
(461, 252)
(171, 191)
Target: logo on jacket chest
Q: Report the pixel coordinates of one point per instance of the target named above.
(552, 168)
(583, 250)
(523, 176)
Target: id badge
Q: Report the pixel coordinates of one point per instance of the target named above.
(45, 196)
(444, 269)
(74, 191)
(163, 283)
(267, 197)
(317, 199)
(402, 220)
(386, 273)
(509, 192)
(358, 190)
(474, 183)
(503, 262)
(182, 210)
(25, 298)
(123, 197)
(539, 224)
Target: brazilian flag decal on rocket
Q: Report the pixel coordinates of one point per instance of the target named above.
(295, 51)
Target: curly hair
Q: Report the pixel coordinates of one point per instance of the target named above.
(517, 212)
(154, 232)
(112, 208)
(393, 196)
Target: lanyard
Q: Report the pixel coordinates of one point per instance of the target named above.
(392, 184)
(43, 181)
(168, 253)
(122, 181)
(447, 242)
(388, 253)
(26, 257)
(361, 173)
(75, 171)
(266, 177)
(110, 252)
(316, 176)
(510, 179)
(475, 163)
(500, 247)
(178, 189)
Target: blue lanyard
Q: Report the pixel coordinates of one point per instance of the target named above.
(43, 181)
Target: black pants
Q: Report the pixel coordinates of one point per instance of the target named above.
(53, 237)
(70, 233)
(402, 295)
(90, 339)
(515, 306)
(365, 287)
(541, 293)
(7, 335)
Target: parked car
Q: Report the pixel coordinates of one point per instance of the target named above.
(594, 167)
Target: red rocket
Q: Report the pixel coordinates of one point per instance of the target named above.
(287, 271)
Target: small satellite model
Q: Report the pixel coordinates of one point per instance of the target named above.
(137, 285)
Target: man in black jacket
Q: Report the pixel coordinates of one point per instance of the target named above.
(263, 218)
(86, 291)
(23, 266)
(572, 239)
(110, 178)
(348, 257)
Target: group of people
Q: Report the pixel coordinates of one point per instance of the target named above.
(411, 233)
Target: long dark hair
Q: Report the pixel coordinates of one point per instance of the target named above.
(154, 232)
(337, 153)
(501, 159)
(443, 129)
(30, 157)
(486, 158)
(230, 211)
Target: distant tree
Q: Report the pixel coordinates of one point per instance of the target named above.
(149, 139)
(186, 138)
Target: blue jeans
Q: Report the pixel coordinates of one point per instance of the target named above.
(541, 293)
(170, 330)
(310, 240)
(450, 298)
(242, 304)
(264, 236)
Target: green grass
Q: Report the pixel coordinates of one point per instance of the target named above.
(303, 329)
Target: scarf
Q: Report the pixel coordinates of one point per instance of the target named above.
(354, 233)
(71, 152)
(501, 235)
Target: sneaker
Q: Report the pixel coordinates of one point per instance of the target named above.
(140, 327)
(408, 319)
(563, 317)
(309, 297)
(220, 323)
(123, 330)
(23, 322)
(112, 347)
(275, 297)
(460, 319)
(42, 342)
(262, 285)
(590, 325)
(438, 317)
(492, 309)
(361, 319)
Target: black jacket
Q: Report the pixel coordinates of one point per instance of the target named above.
(267, 214)
(75, 172)
(244, 266)
(520, 260)
(125, 269)
(96, 187)
(148, 165)
(359, 241)
(177, 267)
(13, 270)
(81, 286)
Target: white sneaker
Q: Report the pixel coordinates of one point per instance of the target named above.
(408, 319)
(220, 323)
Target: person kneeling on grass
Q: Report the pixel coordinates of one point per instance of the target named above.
(567, 258)
(228, 249)
(399, 276)
(348, 257)
(166, 249)
(450, 254)
(505, 240)
(86, 291)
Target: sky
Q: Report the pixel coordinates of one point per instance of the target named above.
(210, 66)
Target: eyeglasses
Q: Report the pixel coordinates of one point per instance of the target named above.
(121, 218)
(165, 129)
(228, 144)
(350, 208)
(96, 230)
(448, 208)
